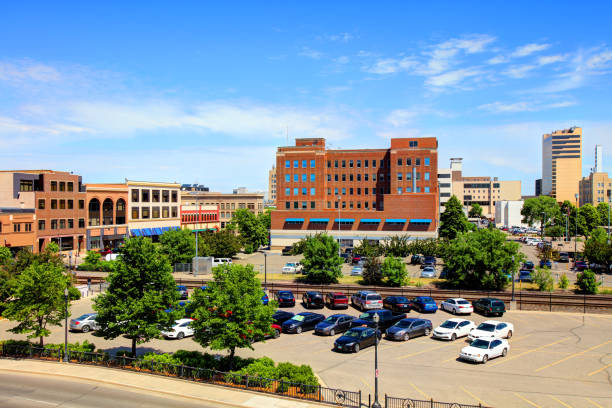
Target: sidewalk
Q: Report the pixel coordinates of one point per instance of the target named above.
(153, 384)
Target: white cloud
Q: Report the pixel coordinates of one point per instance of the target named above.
(400, 117)
(391, 66)
(452, 78)
(525, 106)
(310, 53)
(470, 44)
(551, 59)
(529, 49)
(519, 71)
(341, 37)
(27, 71)
(342, 59)
(598, 60)
(364, 54)
(499, 59)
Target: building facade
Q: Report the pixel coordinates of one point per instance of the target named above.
(58, 200)
(562, 163)
(594, 189)
(153, 208)
(200, 217)
(485, 191)
(272, 186)
(538, 187)
(226, 203)
(354, 194)
(508, 213)
(18, 229)
(107, 210)
(445, 186)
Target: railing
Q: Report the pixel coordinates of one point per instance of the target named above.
(315, 393)
(393, 402)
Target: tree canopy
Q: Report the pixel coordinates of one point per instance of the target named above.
(321, 259)
(178, 245)
(596, 248)
(540, 208)
(140, 289)
(453, 221)
(218, 244)
(394, 271)
(475, 211)
(252, 229)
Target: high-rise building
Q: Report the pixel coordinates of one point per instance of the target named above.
(562, 163)
(598, 168)
(595, 188)
(538, 187)
(356, 194)
(445, 186)
(272, 185)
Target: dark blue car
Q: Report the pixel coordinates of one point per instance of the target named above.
(525, 276)
(424, 304)
(545, 263)
(357, 338)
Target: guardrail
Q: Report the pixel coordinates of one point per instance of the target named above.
(331, 396)
(393, 402)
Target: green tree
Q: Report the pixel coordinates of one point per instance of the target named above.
(178, 245)
(481, 259)
(253, 232)
(475, 211)
(602, 210)
(372, 271)
(540, 208)
(38, 300)
(554, 231)
(265, 219)
(596, 248)
(587, 282)
(220, 244)
(591, 218)
(563, 281)
(367, 248)
(5, 255)
(230, 314)
(321, 259)
(394, 270)
(453, 221)
(398, 245)
(140, 289)
(544, 280)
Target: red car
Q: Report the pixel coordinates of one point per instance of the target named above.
(356, 258)
(336, 300)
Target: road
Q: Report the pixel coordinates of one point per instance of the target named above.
(38, 391)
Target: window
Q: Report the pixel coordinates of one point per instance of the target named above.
(366, 204)
(365, 163)
(365, 191)
(426, 189)
(287, 164)
(296, 164)
(343, 164)
(399, 176)
(287, 191)
(70, 204)
(351, 191)
(329, 164)
(312, 191)
(399, 162)
(41, 204)
(312, 177)
(418, 175)
(382, 177)
(296, 178)
(135, 213)
(144, 196)
(359, 177)
(81, 204)
(418, 190)
(304, 178)
(344, 204)
(295, 191)
(336, 163)
(350, 204)
(408, 176)
(166, 196)
(312, 164)
(343, 191)
(174, 212)
(70, 223)
(62, 204)
(54, 186)
(350, 163)
(54, 204)
(373, 190)
(155, 212)
(382, 163)
(287, 205)
(426, 161)
(426, 176)
(417, 162)
(295, 205)
(373, 163)
(359, 163)
(145, 213)
(155, 196)
(53, 224)
(62, 185)
(328, 191)
(336, 191)
(81, 222)
(329, 177)
(335, 204)
(70, 186)
(304, 191)
(365, 177)
(303, 164)
(16, 227)
(41, 225)
(135, 195)
(62, 224)
(312, 205)
(351, 177)
(399, 190)
(358, 190)
(26, 185)
(28, 227)
(304, 205)
(413, 143)
(233, 206)
(287, 178)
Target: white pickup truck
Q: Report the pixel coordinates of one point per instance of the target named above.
(292, 267)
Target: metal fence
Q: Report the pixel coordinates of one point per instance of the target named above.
(182, 267)
(393, 402)
(316, 393)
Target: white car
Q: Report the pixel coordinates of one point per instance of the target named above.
(457, 306)
(492, 328)
(482, 350)
(292, 267)
(453, 328)
(182, 328)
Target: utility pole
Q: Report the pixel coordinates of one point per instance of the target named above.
(609, 204)
(576, 238)
(338, 199)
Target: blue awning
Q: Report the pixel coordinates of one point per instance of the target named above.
(420, 221)
(146, 232)
(370, 220)
(395, 220)
(319, 220)
(294, 220)
(164, 229)
(157, 231)
(345, 220)
(175, 228)
(136, 232)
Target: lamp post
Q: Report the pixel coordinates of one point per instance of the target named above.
(265, 270)
(542, 226)
(66, 325)
(197, 262)
(566, 227)
(609, 204)
(513, 278)
(338, 200)
(576, 237)
(376, 404)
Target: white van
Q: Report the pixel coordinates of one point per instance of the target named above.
(221, 261)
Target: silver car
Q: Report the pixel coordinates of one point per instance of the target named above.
(84, 323)
(428, 272)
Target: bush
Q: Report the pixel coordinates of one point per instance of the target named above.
(86, 346)
(166, 363)
(74, 293)
(298, 374)
(587, 282)
(125, 353)
(419, 284)
(298, 247)
(563, 282)
(543, 279)
(394, 270)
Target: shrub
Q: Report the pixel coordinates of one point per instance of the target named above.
(419, 284)
(159, 362)
(83, 347)
(125, 353)
(543, 279)
(298, 374)
(587, 282)
(394, 270)
(563, 282)
(74, 293)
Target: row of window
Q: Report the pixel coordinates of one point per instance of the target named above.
(27, 227)
(232, 206)
(145, 213)
(305, 205)
(296, 178)
(381, 163)
(61, 224)
(296, 191)
(154, 196)
(409, 190)
(199, 218)
(60, 204)
(63, 186)
(296, 164)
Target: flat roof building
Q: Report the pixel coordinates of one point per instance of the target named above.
(18, 229)
(107, 210)
(227, 203)
(562, 164)
(153, 208)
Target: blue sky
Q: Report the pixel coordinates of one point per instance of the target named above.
(205, 92)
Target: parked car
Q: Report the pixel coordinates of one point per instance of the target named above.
(482, 350)
(265, 299)
(281, 316)
(397, 304)
(580, 266)
(313, 299)
(302, 322)
(336, 300)
(84, 323)
(336, 323)
(453, 328)
(346, 257)
(285, 298)
(356, 339)
(182, 328)
(406, 329)
(287, 250)
(356, 271)
(545, 263)
(221, 261)
(528, 266)
(386, 319)
(444, 273)
(356, 258)
(366, 299)
(457, 306)
(415, 259)
(428, 261)
(424, 304)
(183, 293)
(492, 328)
(524, 276)
(489, 306)
(292, 267)
(563, 257)
(428, 272)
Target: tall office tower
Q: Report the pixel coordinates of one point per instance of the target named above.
(598, 159)
(562, 163)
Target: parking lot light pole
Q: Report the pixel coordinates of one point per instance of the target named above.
(513, 278)
(66, 325)
(542, 226)
(338, 200)
(265, 270)
(609, 204)
(576, 238)
(376, 404)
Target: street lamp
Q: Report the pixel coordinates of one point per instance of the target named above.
(513, 278)
(609, 204)
(338, 200)
(542, 226)
(376, 404)
(66, 325)
(265, 270)
(576, 238)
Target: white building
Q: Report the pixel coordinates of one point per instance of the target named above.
(445, 186)
(508, 213)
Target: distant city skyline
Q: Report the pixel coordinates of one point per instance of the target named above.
(205, 93)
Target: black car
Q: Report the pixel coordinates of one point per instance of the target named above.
(396, 304)
(287, 250)
(563, 257)
(182, 290)
(489, 306)
(528, 266)
(346, 257)
(428, 261)
(280, 316)
(285, 298)
(415, 259)
(302, 322)
(313, 299)
(336, 323)
(357, 338)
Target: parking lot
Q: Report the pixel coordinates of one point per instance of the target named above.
(556, 360)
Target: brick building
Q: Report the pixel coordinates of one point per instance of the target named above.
(107, 211)
(200, 217)
(153, 208)
(17, 228)
(354, 194)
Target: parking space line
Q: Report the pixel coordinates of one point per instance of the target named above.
(560, 402)
(572, 356)
(475, 397)
(594, 403)
(527, 401)
(600, 370)
(424, 351)
(419, 391)
(529, 351)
